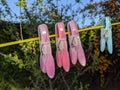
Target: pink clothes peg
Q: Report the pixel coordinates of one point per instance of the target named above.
(46, 59)
(62, 55)
(76, 50)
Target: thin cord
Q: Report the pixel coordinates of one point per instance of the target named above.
(51, 36)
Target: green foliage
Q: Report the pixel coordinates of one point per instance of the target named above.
(21, 3)
(87, 38)
(13, 59)
(82, 87)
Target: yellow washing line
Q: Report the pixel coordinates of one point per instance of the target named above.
(51, 36)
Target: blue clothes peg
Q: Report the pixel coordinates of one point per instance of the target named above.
(106, 35)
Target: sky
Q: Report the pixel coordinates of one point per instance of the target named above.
(16, 9)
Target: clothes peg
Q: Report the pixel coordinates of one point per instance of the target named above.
(46, 59)
(106, 35)
(76, 50)
(62, 55)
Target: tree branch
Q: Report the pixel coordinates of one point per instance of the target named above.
(68, 88)
(79, 74)
(50, 83)
(21, 34)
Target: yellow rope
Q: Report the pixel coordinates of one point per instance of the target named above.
(51, 36)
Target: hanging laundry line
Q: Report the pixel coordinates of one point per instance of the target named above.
(51, 36)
